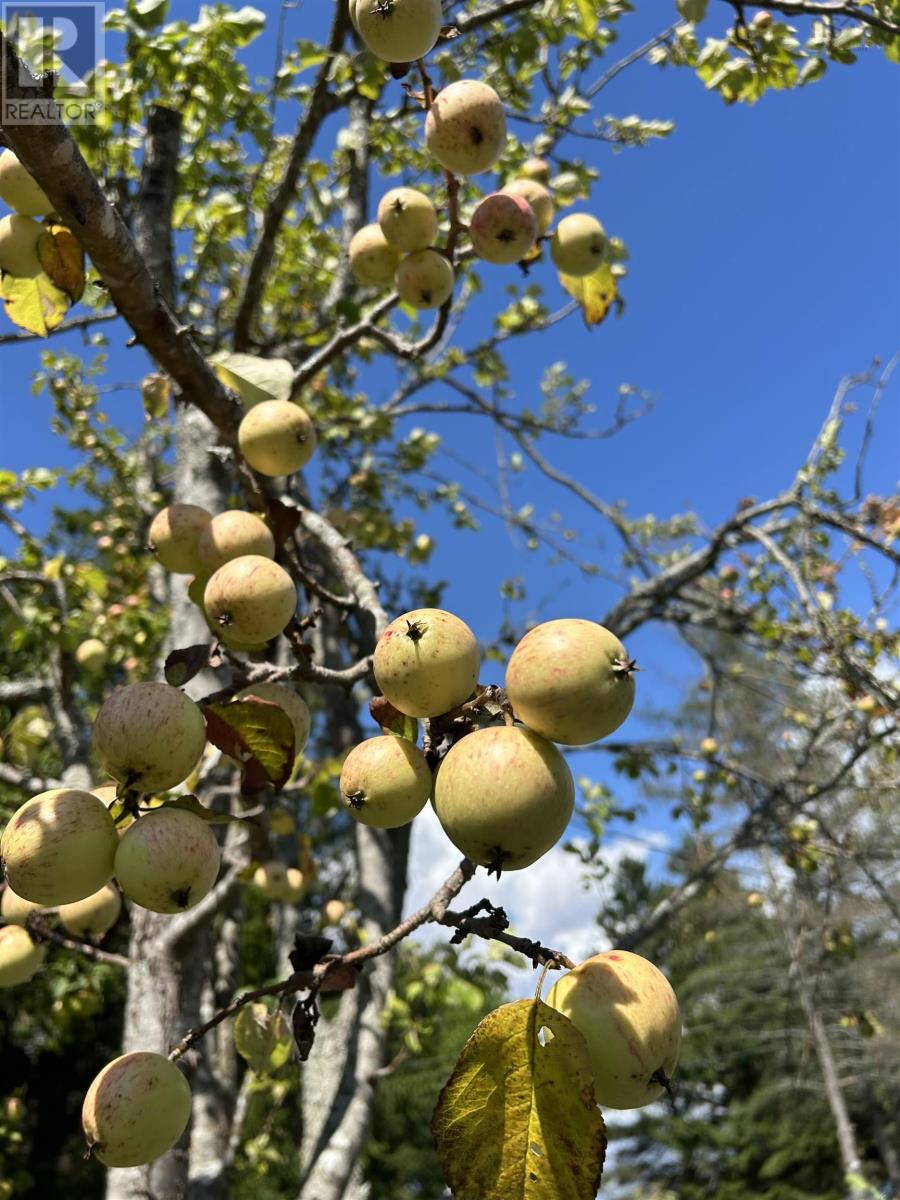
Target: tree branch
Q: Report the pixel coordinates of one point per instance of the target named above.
(825, 8)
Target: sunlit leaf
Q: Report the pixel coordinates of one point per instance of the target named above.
(36, 304)
(596, 293)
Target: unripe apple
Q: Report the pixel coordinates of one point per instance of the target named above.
(426, 662)
(292, 703)
(250, 600)
(18, 246)
(94, 915)
(333, 912)
(232, 534)
(373, 260)
(407, 219)
(385, 782)
(754, 899)
(167, 860)
(709, 746)
(425, 279)
(14, 908)
(20, 956)
(149, 736)
(399, 31)
(465, 128)
(761, 20)
(502, 228)
(20, 190)
(295, 886)
(59, 846)
(92, 655)
(537, 169)
(537, 196)
(504, 796)
(277, 437)
(271, 879)
(578, 244)
(571, 681)
(626, 1011)
(174, 537)
(135, 1110)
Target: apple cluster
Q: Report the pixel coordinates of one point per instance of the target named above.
(19, 231)
(465, 131)
(567, 681)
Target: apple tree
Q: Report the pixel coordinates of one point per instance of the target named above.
(232, 685)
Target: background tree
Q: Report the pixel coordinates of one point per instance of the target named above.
(202, 258)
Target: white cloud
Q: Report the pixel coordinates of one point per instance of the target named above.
(547, 901)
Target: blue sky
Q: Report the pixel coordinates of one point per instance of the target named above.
(764, 266)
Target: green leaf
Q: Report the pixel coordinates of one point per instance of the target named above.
(191, 804)
(258, 735)
(254, 379)
(588, 18)
(518, 1119)
(692, 10)
(263, 1038)
(156, 391)
(147, 14)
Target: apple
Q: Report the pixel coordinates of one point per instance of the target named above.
(626, 1011)
(250, 600)
(465, 127)
(503, 228)
(20, 956)
(504, 796)
(94, 915)
(333, 912)
(92, 655)
(20, 190)
(135, 1110)
(174, 536)
(292, 703)
(18, 246)
(407, 219)
(578, 244)
(277, 437)
(538, 198)
(58, 847)
(149, 736)
(232, 534)
(271, 878)
(425, 279)
(385, 782)
(426, 662)
(571, 680)
(15, 908)
(295, 888)
(373, 260)
(167, 860)
(537, 169)
(398, 31)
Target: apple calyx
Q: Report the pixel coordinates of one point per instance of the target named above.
(415, 630)
(659, 1076)
(498, 858)
(356, 799)
(625, 667)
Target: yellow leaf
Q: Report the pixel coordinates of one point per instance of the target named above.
(518, 1119)
(35, 304)
(596, 293)
(53, 567)
(155, 392)
(62, 259)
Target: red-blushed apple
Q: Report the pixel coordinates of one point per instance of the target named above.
(465, 128)
(626, 1011)
(426, 662)
(15, 908)
(502, 228)
(571, 680)
(504, 796)
(385, 782)
(135, 1110)
(538, 198)
(149, 736)
(59, 847)
(167, 860)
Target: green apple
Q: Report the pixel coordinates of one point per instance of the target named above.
(571, 680)
(407, 219)
(504, 796)
(277, 437)
(20, 190)
(578, 244)
(167, 860)
(250, 599)
(399, 31)
(232, 534)
(93, 916)
(373, 260)
(426, 662)
(385, 782)
(174, 537)
(135, 1110)
(626, 1011)
(20, 956)
(149, 736)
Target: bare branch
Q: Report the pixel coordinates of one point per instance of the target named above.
(41, 931)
